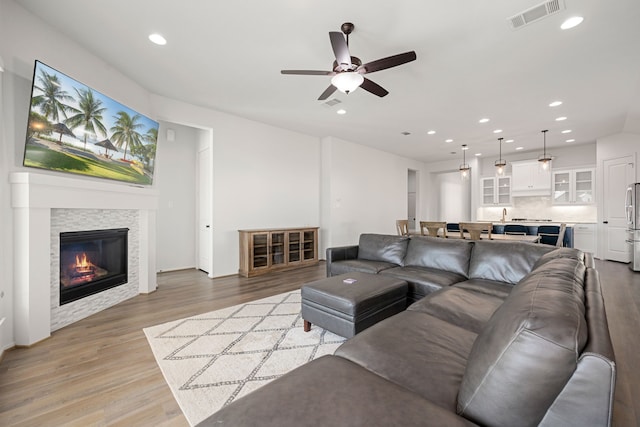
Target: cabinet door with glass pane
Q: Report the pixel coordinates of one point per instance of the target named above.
(503, 190)
(562, 187)
(259, 251)
(277, 248)
(310, 245)
(294, 247)
(488, 190)
(584, 186)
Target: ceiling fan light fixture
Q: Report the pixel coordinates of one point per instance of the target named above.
(347, 81)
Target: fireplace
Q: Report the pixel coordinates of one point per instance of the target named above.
(91, 262)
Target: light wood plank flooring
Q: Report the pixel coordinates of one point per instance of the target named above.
(100, 371)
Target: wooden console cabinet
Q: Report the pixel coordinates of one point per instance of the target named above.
(266, 250)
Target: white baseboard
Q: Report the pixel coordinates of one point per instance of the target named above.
(166, 270)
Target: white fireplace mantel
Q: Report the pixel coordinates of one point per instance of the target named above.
(33, 196)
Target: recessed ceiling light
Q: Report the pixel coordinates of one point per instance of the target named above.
(448, 140)
(497, 131)
(574, 21)
(570, 140)
(555, 103)
(478, 154)
(485, 120)
(566, 131)
(341, 111)
(559, 119)
(509, 140)
(157, 39)
(431, 132)
(519, 148)
(464, 147)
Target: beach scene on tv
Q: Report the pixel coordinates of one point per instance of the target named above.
(73, 128)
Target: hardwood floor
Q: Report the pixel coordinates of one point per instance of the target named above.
(100, 371)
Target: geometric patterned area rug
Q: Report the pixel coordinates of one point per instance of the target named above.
(212, 359)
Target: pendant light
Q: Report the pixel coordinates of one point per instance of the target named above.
(545, 159)
(500, 163)
(464, 167)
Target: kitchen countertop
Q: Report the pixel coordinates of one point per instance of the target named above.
(537, 223)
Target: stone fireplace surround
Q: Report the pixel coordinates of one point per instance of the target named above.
(43, 206)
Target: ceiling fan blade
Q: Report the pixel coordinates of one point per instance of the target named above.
(340, 48)
(309, 72)
(388, 62)
(327, 93)
(374, 88)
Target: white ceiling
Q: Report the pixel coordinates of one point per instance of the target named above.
(227, 55)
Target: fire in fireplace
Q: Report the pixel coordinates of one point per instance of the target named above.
(91, 262)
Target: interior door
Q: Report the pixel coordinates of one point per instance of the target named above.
(618, 174)
(204, 210)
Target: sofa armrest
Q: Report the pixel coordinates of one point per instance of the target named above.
(340, 253)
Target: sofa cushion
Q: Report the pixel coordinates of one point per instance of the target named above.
(560, 253)
(422, 280)
(361, 265)
(417, 351)
(528, 350)
(381, 247)
(331, 391)
(467, 309)
(489, 287)
(504, 261)
(438, 253)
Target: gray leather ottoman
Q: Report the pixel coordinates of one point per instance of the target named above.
(346, 309)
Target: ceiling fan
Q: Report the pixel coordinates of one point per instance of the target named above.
(348, 71)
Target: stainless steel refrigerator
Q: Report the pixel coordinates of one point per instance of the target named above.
(632, 210)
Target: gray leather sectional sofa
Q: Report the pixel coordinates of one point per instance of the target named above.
(501, 334)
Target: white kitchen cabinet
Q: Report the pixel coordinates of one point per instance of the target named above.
(528, 178)
(574, 186)
(496, 190)
(584, 237)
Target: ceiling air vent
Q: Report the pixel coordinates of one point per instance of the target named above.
(535, 13)
(332, 102)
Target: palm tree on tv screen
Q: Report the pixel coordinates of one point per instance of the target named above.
(52, 99)
(89, 115)
(125, 132)
(147, 151)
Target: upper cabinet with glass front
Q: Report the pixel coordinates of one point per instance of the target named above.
(496, 190)
(574, 187)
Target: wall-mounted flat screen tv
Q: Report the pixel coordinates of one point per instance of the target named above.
(76, 129)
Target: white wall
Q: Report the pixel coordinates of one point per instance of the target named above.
(175, 179)
(363, 191)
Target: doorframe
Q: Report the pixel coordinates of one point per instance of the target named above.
(208, 145)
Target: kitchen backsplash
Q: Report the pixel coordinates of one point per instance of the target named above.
(539, 208)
